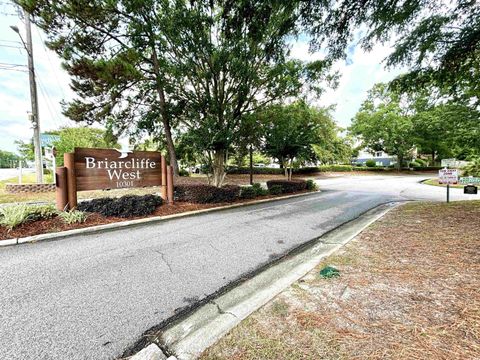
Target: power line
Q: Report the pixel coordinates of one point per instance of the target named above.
(51, 64)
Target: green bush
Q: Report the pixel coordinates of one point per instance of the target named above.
(288, 186)
(421, 162)
(311, 185)
(125, 206)
(13, 216)
(275, 189)
(371, 163)
(256, 170)
(248, 192)
(205, 194)
(42, 212)
(73, 217)
(183, 172)
(259, 190)
(473, 168)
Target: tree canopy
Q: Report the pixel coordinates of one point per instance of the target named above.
(178, 64)
(292, 131)
(383, 124)
(397, 122)
(438, 39)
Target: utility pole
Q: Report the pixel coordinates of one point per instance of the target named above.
(33, 116)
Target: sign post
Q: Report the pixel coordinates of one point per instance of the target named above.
(448, 176)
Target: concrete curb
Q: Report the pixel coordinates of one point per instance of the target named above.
(187, 338)
(137, 222)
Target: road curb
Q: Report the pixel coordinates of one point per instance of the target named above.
(188, 337)
(131, 223)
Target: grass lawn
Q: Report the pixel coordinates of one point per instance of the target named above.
(409, 288)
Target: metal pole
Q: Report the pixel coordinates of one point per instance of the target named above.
(20, 175)
(34, 100)
(448, 193)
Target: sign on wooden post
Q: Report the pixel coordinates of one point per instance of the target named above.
(102, 169)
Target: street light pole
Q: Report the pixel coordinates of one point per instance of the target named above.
(34, 116)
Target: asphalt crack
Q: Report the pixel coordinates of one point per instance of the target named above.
(162, 255)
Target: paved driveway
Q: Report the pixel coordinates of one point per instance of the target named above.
(92, 297)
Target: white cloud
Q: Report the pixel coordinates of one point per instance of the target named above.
(358, 74)
(52, 86)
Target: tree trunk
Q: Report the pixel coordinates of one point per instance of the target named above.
(170, 146)
(218, 166)
(251, 165)
(164, 115)
(433, 158)
(400, 161)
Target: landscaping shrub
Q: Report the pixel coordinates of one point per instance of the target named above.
(256, 170)
(248, 192)
(95, 205)
(275, 189)
(204, 194)
(473, 168)
(183, 172)
(370, 163)
(126, 206)
(13, 216)
(311, 185)
(42, 212)
(288, 186)
(73, 217)
(259, 190)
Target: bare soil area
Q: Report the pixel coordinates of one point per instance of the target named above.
(409, 288)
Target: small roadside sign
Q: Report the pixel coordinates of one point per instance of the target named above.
(448, 162)
(470, 189)
(469, 180)
(448, 176)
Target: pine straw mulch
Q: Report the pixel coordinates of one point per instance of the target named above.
(409, 288)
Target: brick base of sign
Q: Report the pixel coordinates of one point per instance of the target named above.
(29, 188)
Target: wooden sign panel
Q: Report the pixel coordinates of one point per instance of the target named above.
(97, 169)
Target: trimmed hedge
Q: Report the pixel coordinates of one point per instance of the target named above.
(205, 194)
(256, 171)
(311, 185)
(288, 186)
(126, 206)
(248, 192)
(275, 190)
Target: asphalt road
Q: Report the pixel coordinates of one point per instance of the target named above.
(92, 297)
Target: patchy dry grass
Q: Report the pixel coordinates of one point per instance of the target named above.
(409, 289)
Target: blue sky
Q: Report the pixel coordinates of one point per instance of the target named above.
(358, 74)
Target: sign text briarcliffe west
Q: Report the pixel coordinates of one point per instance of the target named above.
(110, 169)
(120, 169)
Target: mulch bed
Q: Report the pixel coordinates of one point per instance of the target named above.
(56, 224)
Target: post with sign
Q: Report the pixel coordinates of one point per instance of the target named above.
(105, 169)
(61, 194)
(448, 177)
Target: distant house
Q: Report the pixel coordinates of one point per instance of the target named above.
(381, 158)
